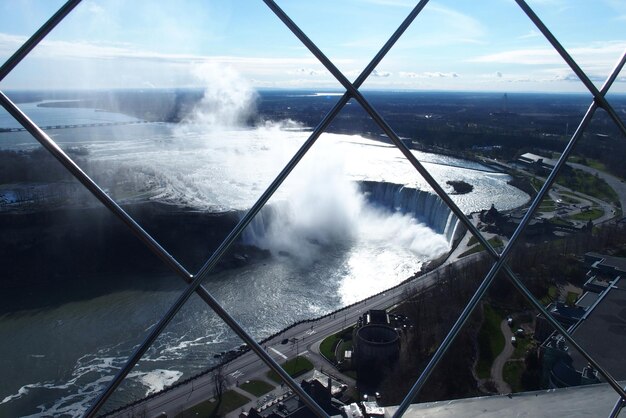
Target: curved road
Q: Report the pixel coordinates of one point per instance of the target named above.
(503, 357)
(301, 338)
(615, 183)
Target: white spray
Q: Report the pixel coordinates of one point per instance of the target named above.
(324, 208)
(227, 101)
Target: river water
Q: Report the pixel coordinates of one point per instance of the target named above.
(330, 245)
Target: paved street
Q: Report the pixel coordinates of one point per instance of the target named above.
(304, 339)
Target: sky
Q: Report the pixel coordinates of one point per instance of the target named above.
(461, 45)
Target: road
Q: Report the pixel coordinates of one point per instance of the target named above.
(608, 209)
(307, 335)
(302, 338)
(503, 357)
(615, 183)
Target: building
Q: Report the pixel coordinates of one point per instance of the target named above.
(535, 162)
(322, 388)
(376, 341)
(597, 321)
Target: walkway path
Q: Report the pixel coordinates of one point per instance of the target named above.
(308, 336)
(503, 357)
(615, 183)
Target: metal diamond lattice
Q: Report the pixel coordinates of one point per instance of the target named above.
(352, 92)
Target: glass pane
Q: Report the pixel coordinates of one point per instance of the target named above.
(19, 20)
(182, 130)
(563, 260)
(593, 34)
(185, 364)
(77, 292)
(349, 33)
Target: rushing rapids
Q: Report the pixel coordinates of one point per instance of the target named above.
(353, 219)
(424, 206)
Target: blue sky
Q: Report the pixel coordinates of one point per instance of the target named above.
(481, 45)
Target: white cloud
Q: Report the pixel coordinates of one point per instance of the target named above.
(377, 73)
(309, 71)
(93, 8)
(101, 51)
(428, 74)
(532, 34)
(534, 56)
(79, 64)
(448, 27)
(394, 3)
(462, 27)
(598, 54)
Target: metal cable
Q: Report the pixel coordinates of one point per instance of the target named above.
(37, 37)
(352, 91)
(598, 97)
(512, 276)
(230, 239)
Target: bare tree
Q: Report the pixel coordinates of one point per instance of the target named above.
(219, 383)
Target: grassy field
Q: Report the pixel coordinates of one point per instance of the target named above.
(591, 214)
(294, 367)
(552, 293)
(588, 184)
(231, 400)
(568, 197)
(490, 341)
(523, 343)
(494, 241)
(256, 387)
(345, 345)
(327, 347)
(571, 298)
(536, 183)
(512, 373)
(547, 205)
(589, 162)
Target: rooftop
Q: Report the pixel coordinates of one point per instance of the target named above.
(603, 333)
(580, 401)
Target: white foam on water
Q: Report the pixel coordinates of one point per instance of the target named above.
(156, 380)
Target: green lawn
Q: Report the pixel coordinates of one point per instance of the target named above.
(552, 292)
(587, 215)
(565, 197)
(512, 374)
(588, 184)
(559, 221)
(494, 241)
(589, 162)
(231, 400)
(294, 367)
(547, 205)
(522, 346)
(256, 387)
(345, 345)
(596, 164)
(571, 298)
(327, 347)
(536, 183)
(490, 341)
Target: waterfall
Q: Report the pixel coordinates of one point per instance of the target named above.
(281, 221)
(425, 207)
